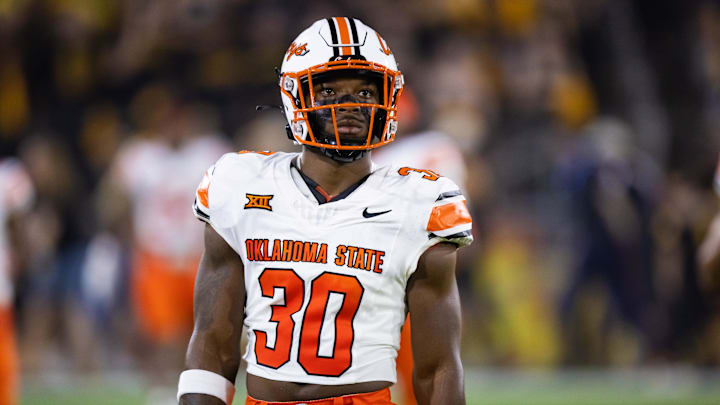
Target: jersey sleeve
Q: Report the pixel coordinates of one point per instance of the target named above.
(449, 219)
(440, 215)
(201, 205)
(215, 202)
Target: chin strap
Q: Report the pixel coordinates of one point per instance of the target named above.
(340, 156)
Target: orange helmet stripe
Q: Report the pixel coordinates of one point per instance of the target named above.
(448, 216)
(344, 30)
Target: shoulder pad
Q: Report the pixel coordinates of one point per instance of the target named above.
(449, 218)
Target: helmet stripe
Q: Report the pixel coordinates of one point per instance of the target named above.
(344, 35)
(334, 37)
(355, 37)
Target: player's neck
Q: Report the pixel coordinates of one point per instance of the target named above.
(332, 176)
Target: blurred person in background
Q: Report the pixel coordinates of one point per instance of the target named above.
(686, 316)
(57, 331)
(708, 260)
(253, 135)
(613, 190)
(143, 202)
(504, 109)
(709, 250)
(16, 197)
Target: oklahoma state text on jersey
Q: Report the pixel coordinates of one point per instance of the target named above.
(326, 282)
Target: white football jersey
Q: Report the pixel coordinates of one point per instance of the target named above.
(16, 195)
(326, 282)
(160, 180)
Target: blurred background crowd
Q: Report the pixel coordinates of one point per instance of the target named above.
(584, 132)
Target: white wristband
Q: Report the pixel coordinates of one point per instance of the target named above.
(198, 381)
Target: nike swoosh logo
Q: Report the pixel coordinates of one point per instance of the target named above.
(367, 214)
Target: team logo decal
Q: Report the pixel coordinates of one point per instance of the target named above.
(383, 45)
(297, 50)
(258, 201)
(367, 214)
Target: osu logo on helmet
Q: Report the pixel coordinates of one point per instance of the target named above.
(299, 50)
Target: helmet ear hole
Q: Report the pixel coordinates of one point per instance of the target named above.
(289, 133)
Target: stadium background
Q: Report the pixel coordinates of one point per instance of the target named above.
(590, 136)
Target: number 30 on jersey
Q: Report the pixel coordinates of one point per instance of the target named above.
(309, 356)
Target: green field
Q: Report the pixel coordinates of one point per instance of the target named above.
(483, 387)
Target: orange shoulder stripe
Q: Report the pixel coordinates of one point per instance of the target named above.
(449, 215)
(260, 152)
(202, 191)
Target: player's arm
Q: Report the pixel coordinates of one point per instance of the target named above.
(219, 310)
(434, 305)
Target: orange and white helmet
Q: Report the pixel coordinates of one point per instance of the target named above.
(339, 45)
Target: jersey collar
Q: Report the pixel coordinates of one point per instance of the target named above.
(312, 189)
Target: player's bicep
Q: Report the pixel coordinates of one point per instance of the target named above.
(434, 305)
(218, 309)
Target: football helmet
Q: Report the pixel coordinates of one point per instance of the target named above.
(345, 47)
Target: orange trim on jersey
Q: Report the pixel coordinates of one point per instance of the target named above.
(324, 193)
(202, 191)
(204, 199)
(260, 152)
(448, 216)
(381, 397)
(344, 31)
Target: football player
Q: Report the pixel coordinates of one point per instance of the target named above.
(144, 196)
(16, 197)
(709, 250)
(321, 254)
